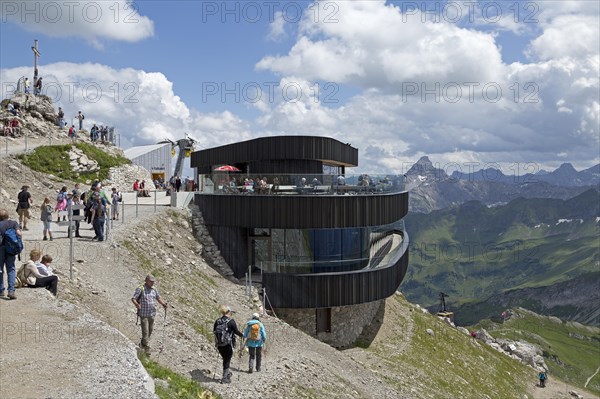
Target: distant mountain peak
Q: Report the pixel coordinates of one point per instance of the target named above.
(424, 160)
(566, 167)
(424, 167)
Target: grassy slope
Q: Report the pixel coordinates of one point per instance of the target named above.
(448, 364)
(179, 387)
(55, 160)
(472, 251)
(571, 359)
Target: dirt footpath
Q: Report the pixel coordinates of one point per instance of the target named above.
(51, 348)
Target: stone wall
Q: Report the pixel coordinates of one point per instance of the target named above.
(347, 322)
(210, 251)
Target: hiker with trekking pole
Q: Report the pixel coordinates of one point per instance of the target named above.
(255, 336)
(225, 329)
(145, 298)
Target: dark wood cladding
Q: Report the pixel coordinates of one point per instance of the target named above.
(302, 211)
(334, 289)
(276, 148)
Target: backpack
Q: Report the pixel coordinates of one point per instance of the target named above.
(21, 280)
(223, 335)
(254, 332)
(12, 242)
(543, 376)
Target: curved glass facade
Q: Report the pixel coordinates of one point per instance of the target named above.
(302, 251)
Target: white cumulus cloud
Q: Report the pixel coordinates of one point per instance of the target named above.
(443, 89)
(91, 20)
(140, 105)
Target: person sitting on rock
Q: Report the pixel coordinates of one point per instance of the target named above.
(11, 108)
(144, 191)
(136, 187)
(34, 278)
(15, 126)
(7, 131)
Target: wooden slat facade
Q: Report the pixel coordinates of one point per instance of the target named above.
(230, 218)
(334, 289)
(286, 148)
(302, 211)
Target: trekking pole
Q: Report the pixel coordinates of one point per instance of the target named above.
(162, 343)
(264, 352)
(216, 364)
(240, 359)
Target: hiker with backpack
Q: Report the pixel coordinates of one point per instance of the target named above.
(72, 134)
(10, 232)
(225, 329)
(255, 337)
(61, 202)
(543, 377)
(145, 298)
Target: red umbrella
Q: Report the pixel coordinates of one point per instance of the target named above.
(227, 168)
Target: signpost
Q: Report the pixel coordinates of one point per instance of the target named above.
(71, 223)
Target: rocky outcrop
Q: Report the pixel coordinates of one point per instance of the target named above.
(38, 118)
(124, 176)
(80, 162)
(525, 352)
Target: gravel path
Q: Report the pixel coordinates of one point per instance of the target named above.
(52, 349)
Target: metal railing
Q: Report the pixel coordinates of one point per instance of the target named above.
(235, 183)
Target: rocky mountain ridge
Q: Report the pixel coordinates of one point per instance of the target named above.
(431, 188)
(564, 175)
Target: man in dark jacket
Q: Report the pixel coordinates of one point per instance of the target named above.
(25, 201)
(5, 258)
(226, 342)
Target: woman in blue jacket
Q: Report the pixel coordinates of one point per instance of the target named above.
(255, 337)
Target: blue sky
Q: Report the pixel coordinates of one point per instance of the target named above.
(356, 71)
